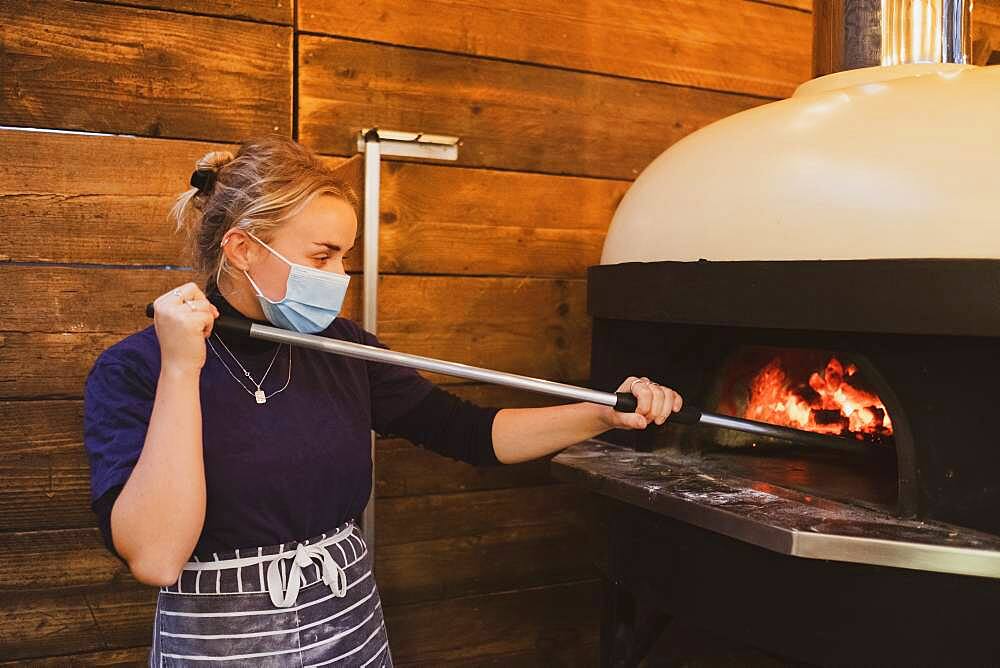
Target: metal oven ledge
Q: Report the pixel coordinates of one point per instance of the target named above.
(776, 518)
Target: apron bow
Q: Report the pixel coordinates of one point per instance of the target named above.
(333, 574)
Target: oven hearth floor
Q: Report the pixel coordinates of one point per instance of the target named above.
(775, 517)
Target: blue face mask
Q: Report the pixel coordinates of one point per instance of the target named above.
(313, 298)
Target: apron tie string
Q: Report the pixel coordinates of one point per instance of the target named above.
(333, 575)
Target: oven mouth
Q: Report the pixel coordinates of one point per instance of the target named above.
(815, 389)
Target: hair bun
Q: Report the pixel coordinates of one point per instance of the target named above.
(207, 171)
(203, 179)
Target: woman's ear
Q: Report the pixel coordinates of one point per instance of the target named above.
(240, 251)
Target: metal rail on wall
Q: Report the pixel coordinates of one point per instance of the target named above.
(376, 143)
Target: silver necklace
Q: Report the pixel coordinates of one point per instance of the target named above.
(259, 394)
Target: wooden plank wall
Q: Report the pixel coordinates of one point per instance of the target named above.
(559, 105)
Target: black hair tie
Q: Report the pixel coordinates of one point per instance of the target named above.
(203, 179)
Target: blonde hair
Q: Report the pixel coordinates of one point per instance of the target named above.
(269, 180)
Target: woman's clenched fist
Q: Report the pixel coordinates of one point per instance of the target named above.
(183, 318)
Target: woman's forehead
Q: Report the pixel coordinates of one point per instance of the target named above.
(325, 219)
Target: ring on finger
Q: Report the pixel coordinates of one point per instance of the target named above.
(637, 380)
(177, 293)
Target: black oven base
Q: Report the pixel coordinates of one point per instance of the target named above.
(660, 569)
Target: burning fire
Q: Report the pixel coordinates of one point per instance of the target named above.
(828, 404)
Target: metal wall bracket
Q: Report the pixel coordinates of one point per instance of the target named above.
(411, 144)
(375, 143)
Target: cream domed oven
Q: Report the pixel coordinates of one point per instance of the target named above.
(831, 263)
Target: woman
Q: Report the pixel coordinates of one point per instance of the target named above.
(231, 474)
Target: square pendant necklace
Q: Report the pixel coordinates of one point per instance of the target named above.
(258, 395)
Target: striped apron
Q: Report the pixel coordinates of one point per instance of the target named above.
(312, 603)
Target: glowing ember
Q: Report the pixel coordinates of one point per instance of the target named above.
(828, 404)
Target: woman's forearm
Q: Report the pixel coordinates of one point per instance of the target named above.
(159, 513)
(521, 434)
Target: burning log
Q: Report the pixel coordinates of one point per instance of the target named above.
(827, 416)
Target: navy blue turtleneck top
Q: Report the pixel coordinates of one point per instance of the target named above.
(290, 468)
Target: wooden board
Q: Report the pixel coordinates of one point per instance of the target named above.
(430, 517)
(42, 365)
(79, 619)
(81, 300)
(45, 491)
(558, 623)
(59, 559)
(267, 11)
(499, 560)
(536, 327)
(550, 653)
(105, 68)
(40, 427)
(986, 32)
(128, 656)
(513, 116)
(403, 469)
(801, 5)
(57, 204)
(448, 220)
(745, 47)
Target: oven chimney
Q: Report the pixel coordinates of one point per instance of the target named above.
(851, 34)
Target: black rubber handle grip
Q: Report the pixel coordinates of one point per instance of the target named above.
(628, 403)
(224, 323)
(686, 415)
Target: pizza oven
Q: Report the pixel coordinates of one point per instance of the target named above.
(829, 263)
(906, 377)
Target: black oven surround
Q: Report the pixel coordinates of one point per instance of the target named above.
(925, 332)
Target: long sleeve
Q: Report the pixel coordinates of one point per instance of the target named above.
(406, 404)
(450, 426)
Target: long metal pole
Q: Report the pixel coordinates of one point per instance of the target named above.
(620, 401)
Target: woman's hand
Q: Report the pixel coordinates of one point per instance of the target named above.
(183, 318)
(656, 403)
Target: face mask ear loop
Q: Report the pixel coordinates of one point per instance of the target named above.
(259, 292)
(282, 257)
(218, 274)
